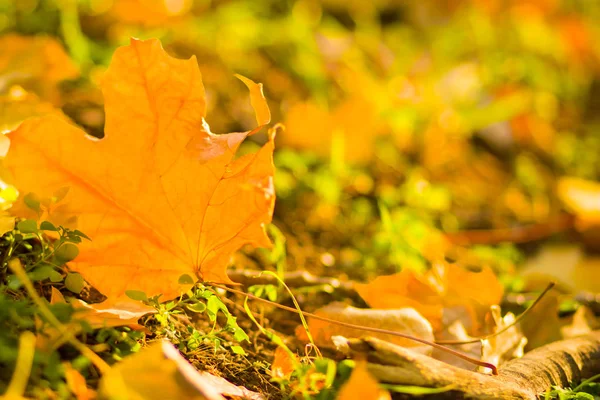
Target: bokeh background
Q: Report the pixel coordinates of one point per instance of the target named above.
(404, 120)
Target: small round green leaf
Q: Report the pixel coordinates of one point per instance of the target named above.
(185, 279)
(198, 307)
(66, 252)
(55, 276)
(27, 226)
(32, 201)
(41, 273)
(48, 226)
(238, 350)
(74, 282)
(136, 295)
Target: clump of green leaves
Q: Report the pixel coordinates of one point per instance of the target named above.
(589, 389)
(169, 320)
(42, 252)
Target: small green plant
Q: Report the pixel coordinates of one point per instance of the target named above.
(589, 389)
(189, 337)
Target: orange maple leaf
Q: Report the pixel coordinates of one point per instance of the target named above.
(160, 195)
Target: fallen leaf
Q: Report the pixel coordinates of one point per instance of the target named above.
(457, 286)
(284, 363)
(568, 265)
(583, 321)
(404, 289)
(160, 195)
(542, 325)
(406, 320)
(160, 372)
(362, 386)
(444, 285)
(453, 322)
(35, 62)
(582, 198)
(103, 315)
(506, 345)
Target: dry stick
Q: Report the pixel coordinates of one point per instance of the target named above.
(507, 327)
(521, 234)
(377, 330)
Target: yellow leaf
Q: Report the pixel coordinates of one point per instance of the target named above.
(404, 289)
(581, 197)
(444, 285)
(362, 386)
(160, 195)
(159, 372)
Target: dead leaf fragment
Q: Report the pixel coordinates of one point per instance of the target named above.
(362, 386)
(105, 315)
(506, 345)
(283, 364)
(160, 195)
(405, 320)
(159, 372)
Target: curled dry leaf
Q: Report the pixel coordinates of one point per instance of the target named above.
(405, 320)
(159, 372)
(506, 345)
(105, 316)
(160, 195)
(362, 386)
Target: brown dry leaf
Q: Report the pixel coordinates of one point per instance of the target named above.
(160, 195)
(37, 63)
(406, 320)
(583, 321)
(542, 325)
(284, 363)
(506, 345)
(456, 322)
(103, 315)
(445, 285)
(159, 372)
(362, 386)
